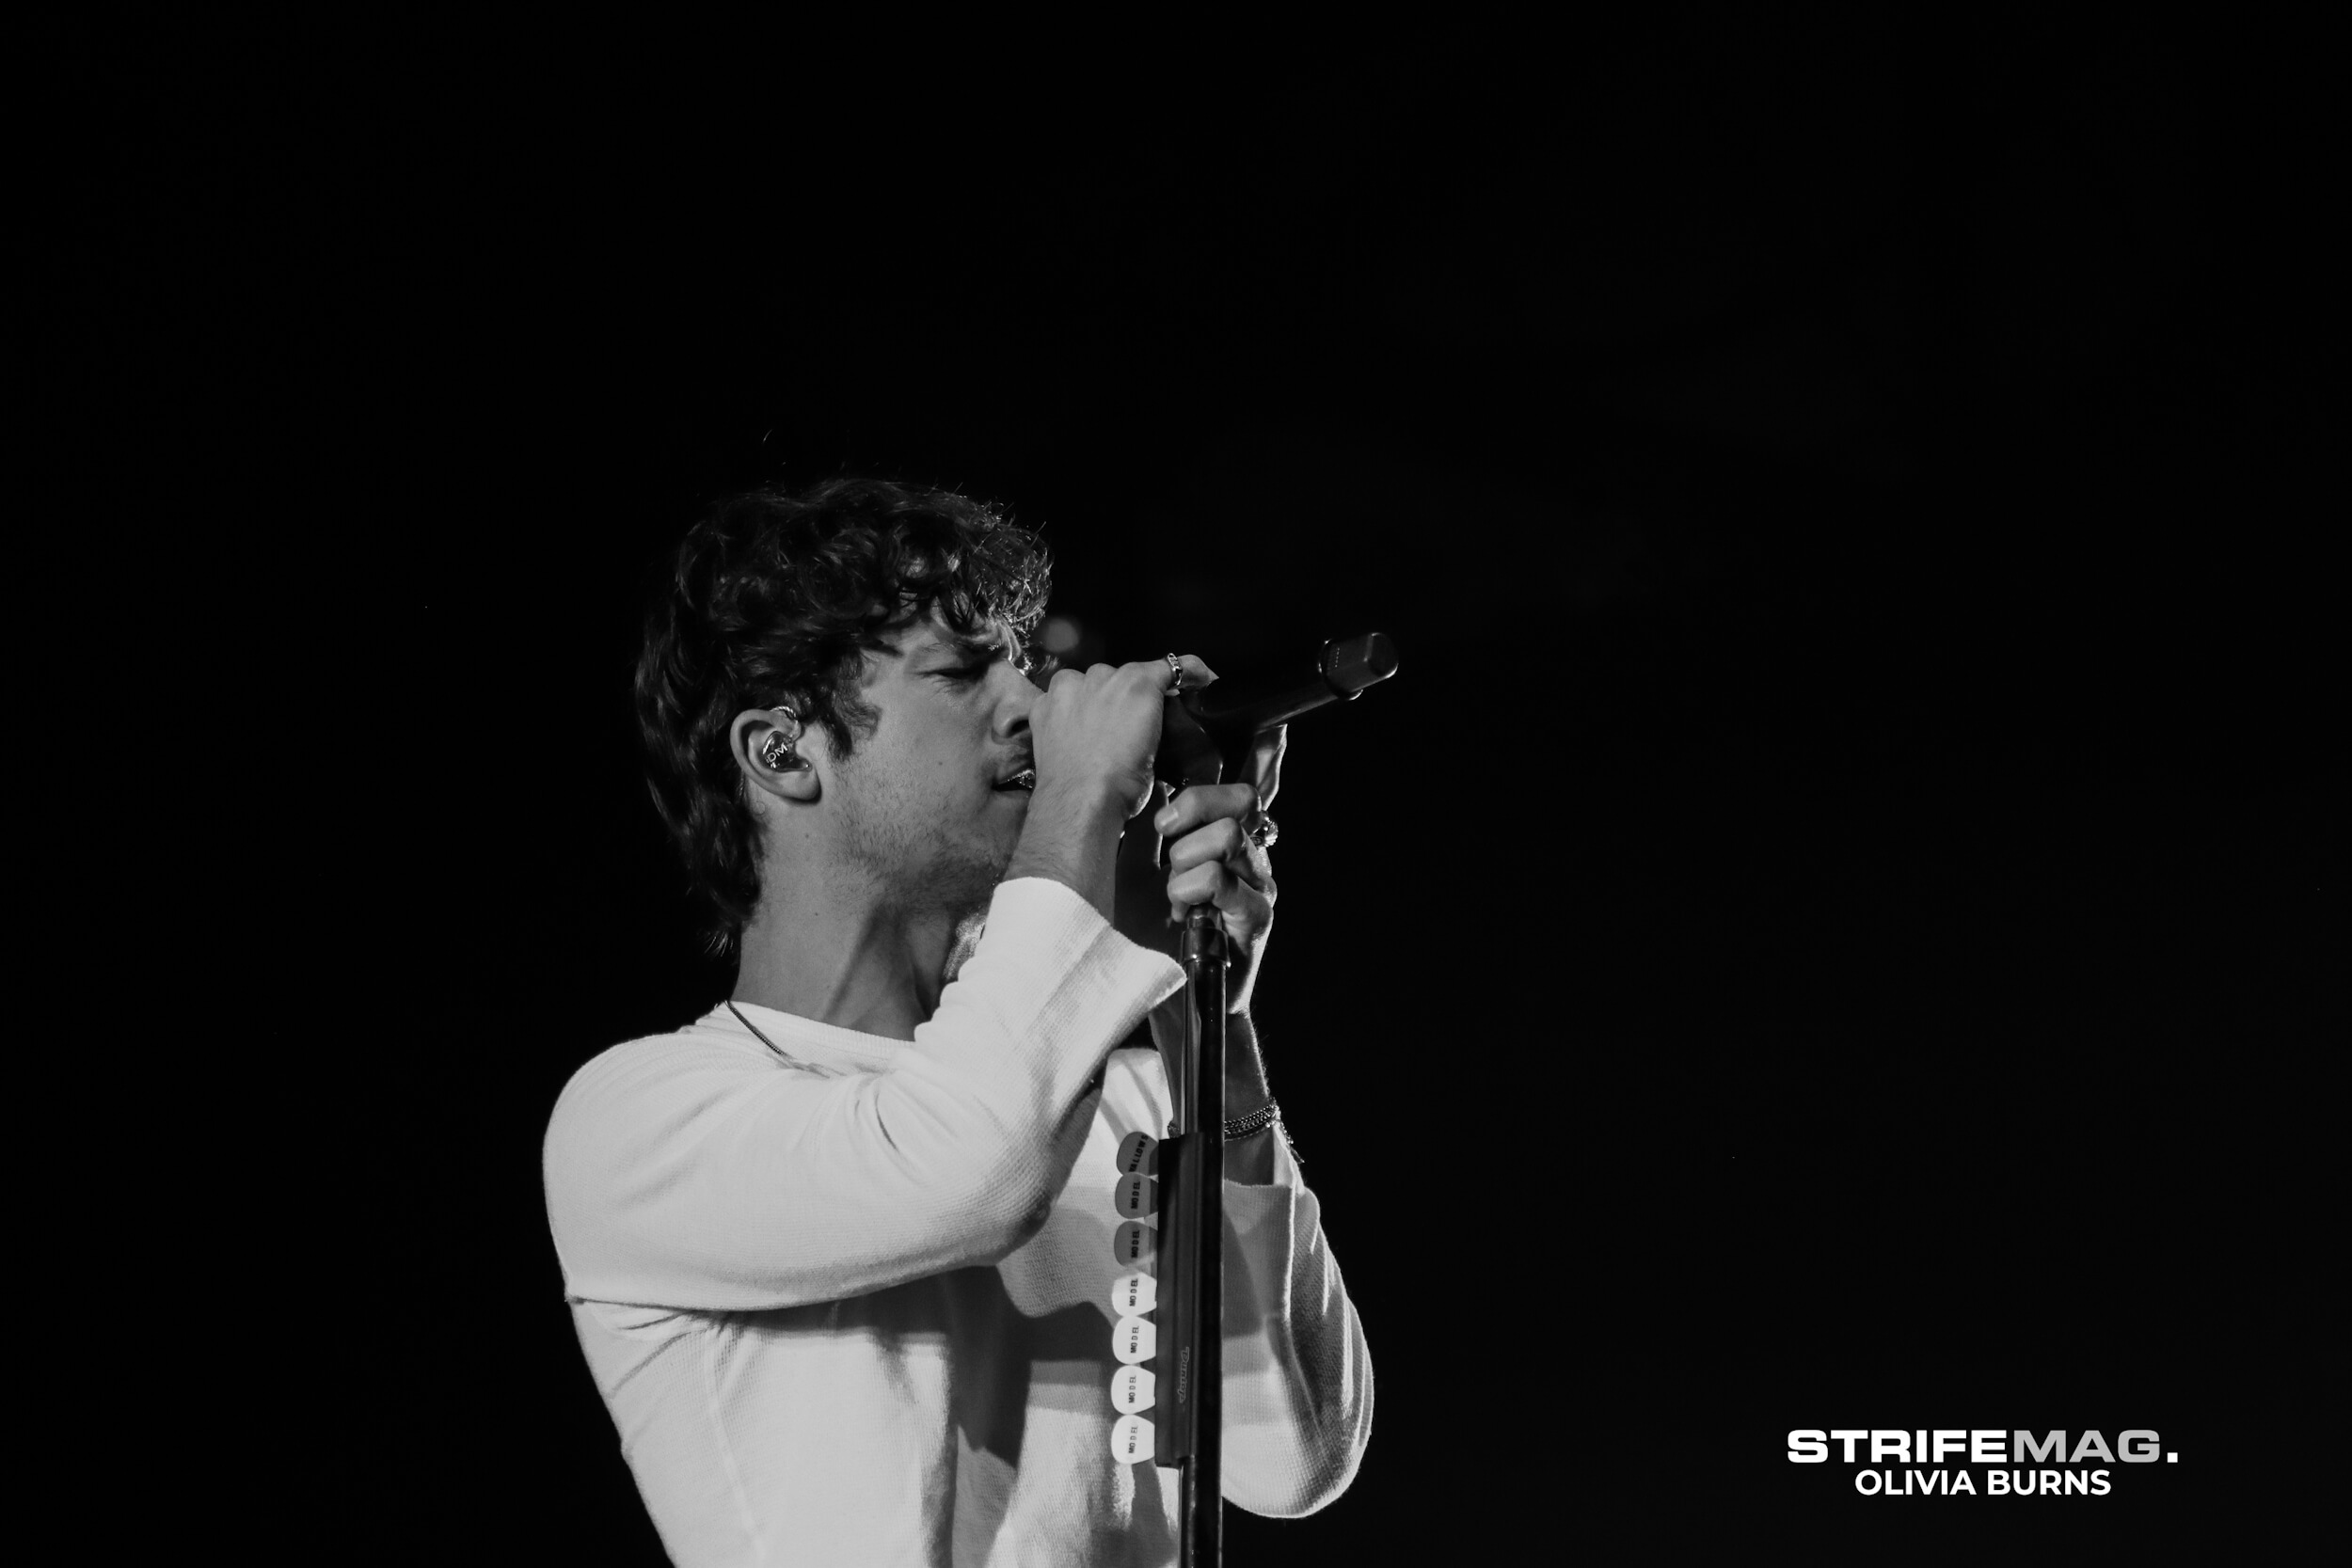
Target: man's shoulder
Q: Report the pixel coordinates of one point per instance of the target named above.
(626, 1073)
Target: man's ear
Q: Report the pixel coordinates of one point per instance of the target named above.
(773, 753)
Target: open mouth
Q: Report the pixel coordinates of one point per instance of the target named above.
(1021, 782)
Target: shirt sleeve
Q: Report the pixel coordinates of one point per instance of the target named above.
(685, 1172)
(1297, 1374)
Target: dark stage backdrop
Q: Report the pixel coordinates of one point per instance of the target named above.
(1825, 929)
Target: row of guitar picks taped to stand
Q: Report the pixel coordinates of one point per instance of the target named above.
(1134, 1338)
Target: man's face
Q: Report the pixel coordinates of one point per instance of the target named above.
(928, 803)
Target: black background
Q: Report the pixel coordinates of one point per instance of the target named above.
(1824, 931)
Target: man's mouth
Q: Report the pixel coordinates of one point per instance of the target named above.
(1022, 782)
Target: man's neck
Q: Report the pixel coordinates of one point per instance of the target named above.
(848, 957)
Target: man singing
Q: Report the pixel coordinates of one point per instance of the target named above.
(839, 1253)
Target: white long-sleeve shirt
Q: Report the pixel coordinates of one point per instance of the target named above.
(848, 1298)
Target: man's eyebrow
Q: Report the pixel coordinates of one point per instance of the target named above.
(976, 647)
(960, 646)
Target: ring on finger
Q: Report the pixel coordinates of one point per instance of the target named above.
(1262, 831)
(1176, 669)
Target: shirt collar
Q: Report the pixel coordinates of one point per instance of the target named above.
(802, 1040)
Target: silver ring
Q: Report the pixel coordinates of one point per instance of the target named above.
(1263, 832)
(1176, 668)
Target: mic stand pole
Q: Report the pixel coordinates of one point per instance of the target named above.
(1192, 1245)
(1188, 1410)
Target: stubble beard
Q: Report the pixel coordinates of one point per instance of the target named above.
(918, 864)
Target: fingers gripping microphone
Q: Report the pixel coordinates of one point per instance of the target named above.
(1221, 722)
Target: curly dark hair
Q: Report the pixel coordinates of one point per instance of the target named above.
(776, 598)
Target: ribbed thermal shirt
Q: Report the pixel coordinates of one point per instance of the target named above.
(848, 1298)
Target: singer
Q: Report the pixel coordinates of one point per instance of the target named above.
(839, 1252)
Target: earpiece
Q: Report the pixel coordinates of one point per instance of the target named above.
(776, 751)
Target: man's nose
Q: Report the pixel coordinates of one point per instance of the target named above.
(1015, 697)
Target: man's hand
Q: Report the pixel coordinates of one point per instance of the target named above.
(1211, 861)
(1092, 734)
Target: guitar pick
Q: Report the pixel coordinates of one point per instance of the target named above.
(1131, 1439)
(1139, 1154)
(1132, 1389)
(1135, 1197)
(1135, 1292)
(1135, 1244)
(1134, 1339)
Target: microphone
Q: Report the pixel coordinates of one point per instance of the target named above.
(1262, 700)
(1222, 720)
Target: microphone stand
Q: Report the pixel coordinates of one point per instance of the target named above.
(1210, 736)
(1192, 1249)
(1190, 1398)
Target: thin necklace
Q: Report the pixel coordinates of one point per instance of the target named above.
(763, 1035)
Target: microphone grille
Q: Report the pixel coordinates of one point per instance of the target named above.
(1352, 663)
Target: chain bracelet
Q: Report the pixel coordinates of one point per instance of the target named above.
(1258, 1120)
